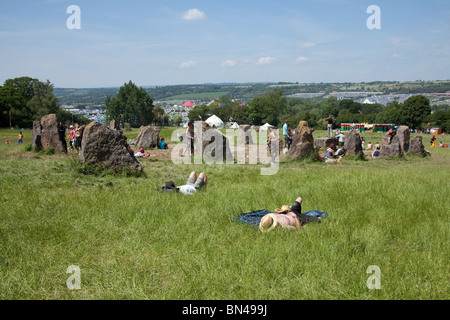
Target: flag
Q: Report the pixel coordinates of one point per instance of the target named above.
(199, 117)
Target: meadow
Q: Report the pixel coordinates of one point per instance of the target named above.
(132, 242)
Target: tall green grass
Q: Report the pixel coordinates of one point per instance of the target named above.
(132, 242)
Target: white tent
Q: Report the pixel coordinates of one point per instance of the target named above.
(215, 121)
(234, 126)
(265, 127)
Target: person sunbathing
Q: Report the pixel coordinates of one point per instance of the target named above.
(290, 218)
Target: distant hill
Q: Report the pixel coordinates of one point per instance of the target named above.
(248, 91)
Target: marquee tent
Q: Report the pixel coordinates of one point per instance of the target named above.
(189, 104)
(234, 126)
(266, 127)
(215, 121)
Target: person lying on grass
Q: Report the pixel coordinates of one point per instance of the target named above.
(193, 183)
(287, 217)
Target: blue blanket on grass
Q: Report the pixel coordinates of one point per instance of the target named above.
(253, 219)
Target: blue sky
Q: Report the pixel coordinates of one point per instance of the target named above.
(189, 42)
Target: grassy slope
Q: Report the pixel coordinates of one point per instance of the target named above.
(134, 243)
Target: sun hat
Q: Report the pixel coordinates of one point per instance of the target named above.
(284, 209)
(268, 222)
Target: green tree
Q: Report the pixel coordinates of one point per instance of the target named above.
(414, 111)
(267, 109)
(28, 99)
(132, 105)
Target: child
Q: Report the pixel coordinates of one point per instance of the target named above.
(162, 144)
(20, 137)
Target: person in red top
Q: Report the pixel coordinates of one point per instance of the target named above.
(71, 136)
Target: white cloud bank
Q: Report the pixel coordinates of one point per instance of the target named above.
(193, 14)
(301, 59)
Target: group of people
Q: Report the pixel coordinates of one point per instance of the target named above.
(75, 136)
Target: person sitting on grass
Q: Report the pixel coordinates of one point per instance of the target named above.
(162, 145)
(376, 153)
(330, 155)
(290, 218)
(141, 154)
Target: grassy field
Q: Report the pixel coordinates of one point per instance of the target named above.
(131, 242)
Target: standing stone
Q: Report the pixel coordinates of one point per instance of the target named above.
(302, 142)
(324, 143)
(245, 134)
(148, 137)
(403, 134)
(209, 145)
(108, 148)
(52, 135)
(393, 149)
(416, 146)
(36, 136)
(353, 144)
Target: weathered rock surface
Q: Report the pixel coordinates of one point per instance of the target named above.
(302, 142)
(49, 134)
(36, 136)
(108, 148)
(416, 146)
(148, 137)
(404, 134)
(213, 142)
(353, 144)
(393, 149)
(245, 134)
(324, 143)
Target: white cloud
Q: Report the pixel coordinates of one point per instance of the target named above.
(194, 14)
(228, 63)
(265, 60)
(301, 59)
(306, 45)
(397, 56)
(187, 64)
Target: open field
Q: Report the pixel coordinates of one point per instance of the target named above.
(131, 242)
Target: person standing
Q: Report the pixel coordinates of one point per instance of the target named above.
(341, 140)
(20, 137)
(330, 125)
(286, 134)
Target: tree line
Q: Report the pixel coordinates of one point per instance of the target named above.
(274, 108)
(24, 100)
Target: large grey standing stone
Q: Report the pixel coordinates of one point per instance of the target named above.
(393, 149)
(108, 148)
(213, 142)
(245, 134)
(324, 143)
(36, 136)
(416, 146)
(353, 144)
(302, 142)
(52, 134)
(404, 134)
(148, 137)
